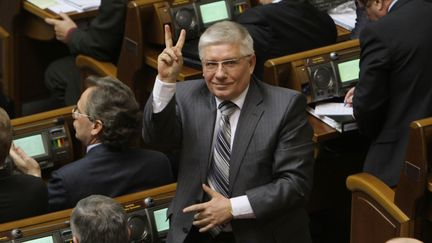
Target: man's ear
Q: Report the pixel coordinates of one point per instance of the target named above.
(96, 127)
(252, 62)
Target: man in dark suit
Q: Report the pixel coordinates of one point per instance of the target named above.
(21, 195)
(395, 85)
(101, 39)
(254, 190)
(107, 120)
(285, 27)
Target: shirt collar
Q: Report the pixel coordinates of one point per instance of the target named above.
(239, 101)
(391, 5)
(92, 146)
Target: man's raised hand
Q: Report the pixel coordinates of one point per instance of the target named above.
(170, 61)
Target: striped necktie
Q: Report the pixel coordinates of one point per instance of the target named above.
(218, 178)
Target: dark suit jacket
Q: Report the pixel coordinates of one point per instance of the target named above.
(103, 37)
(395, 85)
(271, 159)
(109, 173)
(286, 27)
(21, 196)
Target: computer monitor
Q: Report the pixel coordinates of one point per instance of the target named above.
(348, 72)
(213, 11)
(158, 220)
(45, 239)
(35, 145)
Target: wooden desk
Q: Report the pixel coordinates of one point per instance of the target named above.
(342, 34)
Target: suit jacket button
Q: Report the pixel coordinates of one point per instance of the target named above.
(185, 230)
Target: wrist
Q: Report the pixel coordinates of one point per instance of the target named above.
(69, 33)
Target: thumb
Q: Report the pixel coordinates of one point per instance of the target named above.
(212, 193)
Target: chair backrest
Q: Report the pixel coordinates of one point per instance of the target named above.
(378, 212)
(413, 182)
(131, 58)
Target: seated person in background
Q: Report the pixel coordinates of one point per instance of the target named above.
(99, 219)
(106, 120)
(101, 40)
(285, 27)
(394, 85)
(21, 195)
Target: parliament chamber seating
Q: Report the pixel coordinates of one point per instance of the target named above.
(146, 212)
(378, 212)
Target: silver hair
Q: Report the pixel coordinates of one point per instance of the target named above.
(100, 219)
(226, 32)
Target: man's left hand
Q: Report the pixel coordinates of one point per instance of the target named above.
(62, 27)
(215, 212)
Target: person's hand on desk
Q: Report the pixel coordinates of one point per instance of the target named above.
(24, 163)
(349, 97)
(170, 61)
(215, 212)
(62, 27)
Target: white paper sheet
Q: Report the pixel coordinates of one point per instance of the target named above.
(335, 109)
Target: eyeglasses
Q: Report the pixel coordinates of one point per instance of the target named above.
(76, 114)
(227, 65)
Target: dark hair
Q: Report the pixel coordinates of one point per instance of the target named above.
(5, 135)
(99, 219)
(113, 103)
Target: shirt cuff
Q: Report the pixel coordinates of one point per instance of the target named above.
(241, 208)
(162, 94)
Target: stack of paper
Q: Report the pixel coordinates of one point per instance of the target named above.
(84, 5)
(344, 15)
(67, 6)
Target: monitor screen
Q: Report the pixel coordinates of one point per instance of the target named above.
(213, 12)
(47, 239)
(162, 224)
(349, 70)
(33, 145)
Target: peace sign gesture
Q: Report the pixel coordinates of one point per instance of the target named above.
(170, 61)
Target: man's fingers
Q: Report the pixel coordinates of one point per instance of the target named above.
(181, 40)
(51, 21)
(201, 223)
(64, 16)
(194, 208)
(212, 193)
(206, 228)
(168, 37)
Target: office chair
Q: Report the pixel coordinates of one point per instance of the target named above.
(378, 212)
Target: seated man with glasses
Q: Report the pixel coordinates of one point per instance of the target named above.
(245, 161)
(107, 121)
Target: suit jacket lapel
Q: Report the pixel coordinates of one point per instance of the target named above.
(249, 117)
(205, 108)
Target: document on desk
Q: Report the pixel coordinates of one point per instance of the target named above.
(43, 4)
(66, 6)
(333, 109)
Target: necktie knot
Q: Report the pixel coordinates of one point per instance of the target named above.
(227, 108)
